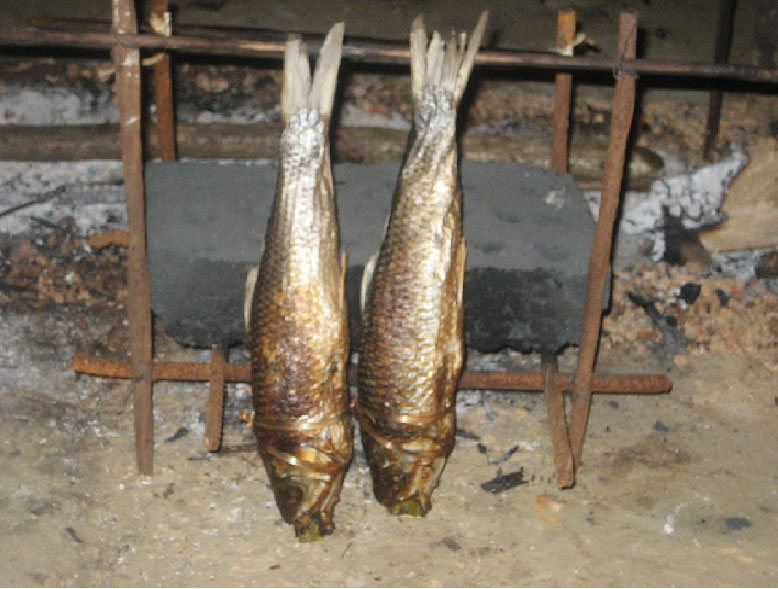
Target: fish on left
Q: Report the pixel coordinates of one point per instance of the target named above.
(296, 309)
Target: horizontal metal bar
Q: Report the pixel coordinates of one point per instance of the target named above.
(505, 381)
(377, 52)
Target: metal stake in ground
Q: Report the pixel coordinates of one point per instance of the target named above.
(215, 413)
(599, 257)
(557, 422)
(555, 401)
(128, 89)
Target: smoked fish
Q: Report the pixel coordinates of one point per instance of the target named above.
(296, 310)
(412, 342)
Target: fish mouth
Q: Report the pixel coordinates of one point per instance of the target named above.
(306, 492)
(415, 506)
(406, 466)
(407, 507)
(311, 529)
(399, 488)
(308, 527)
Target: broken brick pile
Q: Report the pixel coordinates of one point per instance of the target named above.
(656, 306)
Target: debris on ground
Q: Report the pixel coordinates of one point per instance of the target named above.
(725, 315)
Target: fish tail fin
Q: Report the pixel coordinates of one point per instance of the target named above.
(297, 77)
(443, 64)
(299, 91)
(466, 58)
(326, 74)
(418, 41)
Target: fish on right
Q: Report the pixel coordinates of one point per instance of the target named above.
(412, 326)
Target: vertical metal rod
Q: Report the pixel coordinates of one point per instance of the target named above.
(128, 87)
(723, 43)
(163, 89)
(215, 412)
(599, 257)
(563, 90)
(555, 407)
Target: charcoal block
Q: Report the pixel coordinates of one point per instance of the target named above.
(528, 233)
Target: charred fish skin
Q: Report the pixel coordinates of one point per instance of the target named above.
(297, 318)
(412, 340)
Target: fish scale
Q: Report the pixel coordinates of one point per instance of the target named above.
(412, 340)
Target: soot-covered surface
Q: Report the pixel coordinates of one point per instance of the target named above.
(528, 233)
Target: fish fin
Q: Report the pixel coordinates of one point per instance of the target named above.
(326, 74)
(435, 54)
(418, 41)
(345, 336)
(459, 316)
(297, 77)
(343, 268)
(446, 65)
(251, 282)
(467, 60)
(461, 259)
(367, 278)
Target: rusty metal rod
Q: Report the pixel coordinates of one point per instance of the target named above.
(378, 52)
(199, 30)
(215, 412)
(163, 91)
(560, 123)
(563, 91)
(128, 88)
(634, 384)
(557, 422)
(599, 257)
(721, 54)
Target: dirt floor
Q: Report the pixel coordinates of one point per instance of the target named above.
(678, 489)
